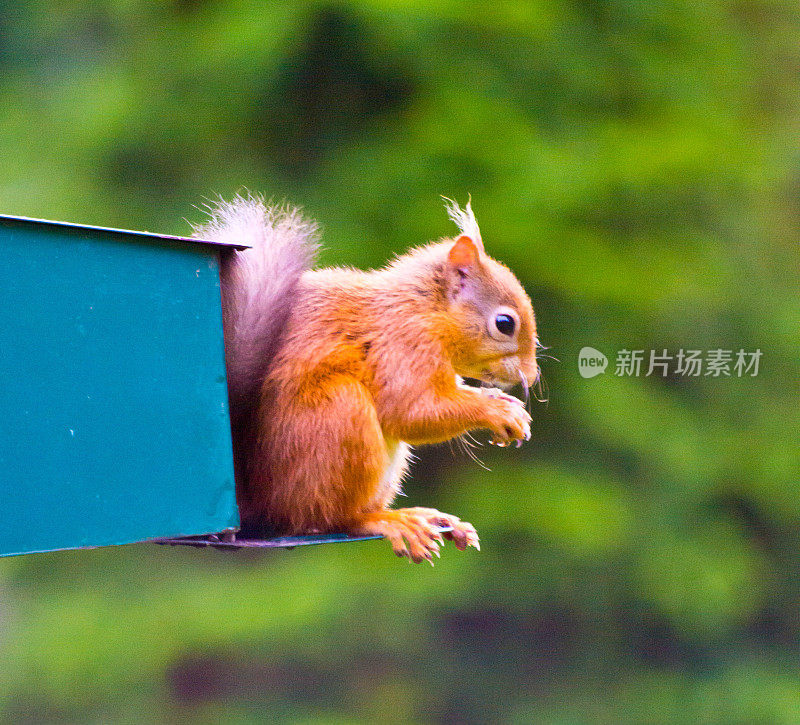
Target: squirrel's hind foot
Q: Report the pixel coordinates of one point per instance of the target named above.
(414, 532)
(461, 533)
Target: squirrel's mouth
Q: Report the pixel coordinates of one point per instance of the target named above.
(504, 372)
(490, 379)
(494, 381)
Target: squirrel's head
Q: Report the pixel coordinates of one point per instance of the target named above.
(494, 315)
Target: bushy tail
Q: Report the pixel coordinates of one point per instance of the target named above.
(257, 284)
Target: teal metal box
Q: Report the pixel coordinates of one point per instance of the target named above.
(113, 393)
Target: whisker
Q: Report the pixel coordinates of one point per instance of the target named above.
(525, 388)
(541, 389)
(467, 448)
(473, 440)
(477, 460)
(465, 443)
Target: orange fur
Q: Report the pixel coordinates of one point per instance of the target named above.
(367, 363)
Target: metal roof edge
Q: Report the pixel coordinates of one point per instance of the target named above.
(131, 232)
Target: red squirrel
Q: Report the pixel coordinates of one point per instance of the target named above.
(335, 373)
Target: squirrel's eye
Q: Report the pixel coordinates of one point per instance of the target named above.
(505, 324)
(502, 324)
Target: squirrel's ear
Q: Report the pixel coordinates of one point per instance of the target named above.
(464, 253)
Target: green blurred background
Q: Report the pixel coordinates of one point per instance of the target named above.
(636, 163)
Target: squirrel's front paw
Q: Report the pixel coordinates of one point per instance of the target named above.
(508, 421)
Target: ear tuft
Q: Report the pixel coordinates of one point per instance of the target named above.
(465, 220)
(464, 253)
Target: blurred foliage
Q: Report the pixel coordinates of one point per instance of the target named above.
(636, 163)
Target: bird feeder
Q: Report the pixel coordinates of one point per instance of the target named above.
(114, 400)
